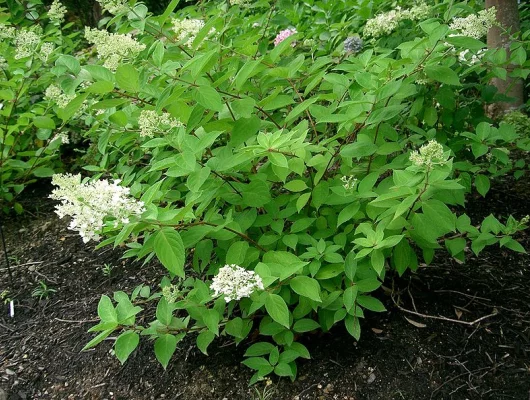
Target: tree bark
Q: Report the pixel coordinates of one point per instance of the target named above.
(508, 18)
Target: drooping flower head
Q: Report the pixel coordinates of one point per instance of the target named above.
(26, 43)
(475, 25)
(386, 23)
(284, 35)
(89, 203)
(234, 282)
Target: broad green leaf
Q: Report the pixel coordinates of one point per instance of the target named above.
(126, 344)
(106, 310)
(277, 309)
(442, 74)
(306, 286)
(165, 346)
(208, 97)
(170, 250)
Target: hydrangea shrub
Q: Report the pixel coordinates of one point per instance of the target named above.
(284, 159)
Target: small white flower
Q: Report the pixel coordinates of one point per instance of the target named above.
(429, 154)
(385, 23)
(26, 43)
(349, 182)
(45, 50)
(55, 94)
(89, 203)
(234, 283)
(113, 48)
(56, 12)
(114, 6)
(151, 122)
(475, 25)
(187, 29)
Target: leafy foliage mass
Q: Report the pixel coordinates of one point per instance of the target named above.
(317, 168)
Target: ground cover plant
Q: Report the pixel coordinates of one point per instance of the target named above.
(280, 160)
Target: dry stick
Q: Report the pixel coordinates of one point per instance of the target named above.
(444, 318)
(9, 272)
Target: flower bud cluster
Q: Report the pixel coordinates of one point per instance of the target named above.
(151, 122)
(385, 23)
(62, 137)
(475, 25)
(89, 203)
(353, 44)
(46, 49)
(280, 37)
(26, 43)
(234, 282)
(187, 29)
(56, 95)
(7, 32)
(56, 12)
(349, 182)
(239, 2)
(113, 6)
(429, 154)
(171, 293)
(113, 48)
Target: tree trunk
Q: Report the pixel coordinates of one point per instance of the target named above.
(508, 18)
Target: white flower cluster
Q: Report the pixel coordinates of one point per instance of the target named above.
(113, 48)
(56, 12)
(234, 282)
(349, 182)
(187, 29)
(3, 63)
(55, 94)
(467, 57)
(45, 50)
(171, 293)
(151, 122)
(239, 2)
(26, 43)
(475, 25)
(429, 154)
(63, 137)
(114, 6)
(7, 32)
(89, 203)
(386, 23)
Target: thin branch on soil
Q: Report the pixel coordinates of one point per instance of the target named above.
(445, 318)
(71, 321)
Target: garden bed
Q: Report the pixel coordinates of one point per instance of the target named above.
(396, 358)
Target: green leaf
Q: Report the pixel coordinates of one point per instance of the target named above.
(347, 213)
(370, 303)
(349, 297)
(305, 325)
(283, 369)
(165, 346)
(44, 122)
(99, 338)
(296, 186)
(126, 344)
(306, 286)
(210, 317)
(277, 309)
(384, 114)
(106, 310)
(482, 183)
(170, 250)
(237, 252)
(442, 74)
(256, 363)
(353, 326)
(164, 312)
(208, 97)
(302, 201)
(368, 285)
(43, 172)
(203, 341)
(128, 78)
(259, 349)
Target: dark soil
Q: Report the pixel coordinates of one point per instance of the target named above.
(397, 358)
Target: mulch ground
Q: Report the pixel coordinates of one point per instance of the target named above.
(423, 349)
